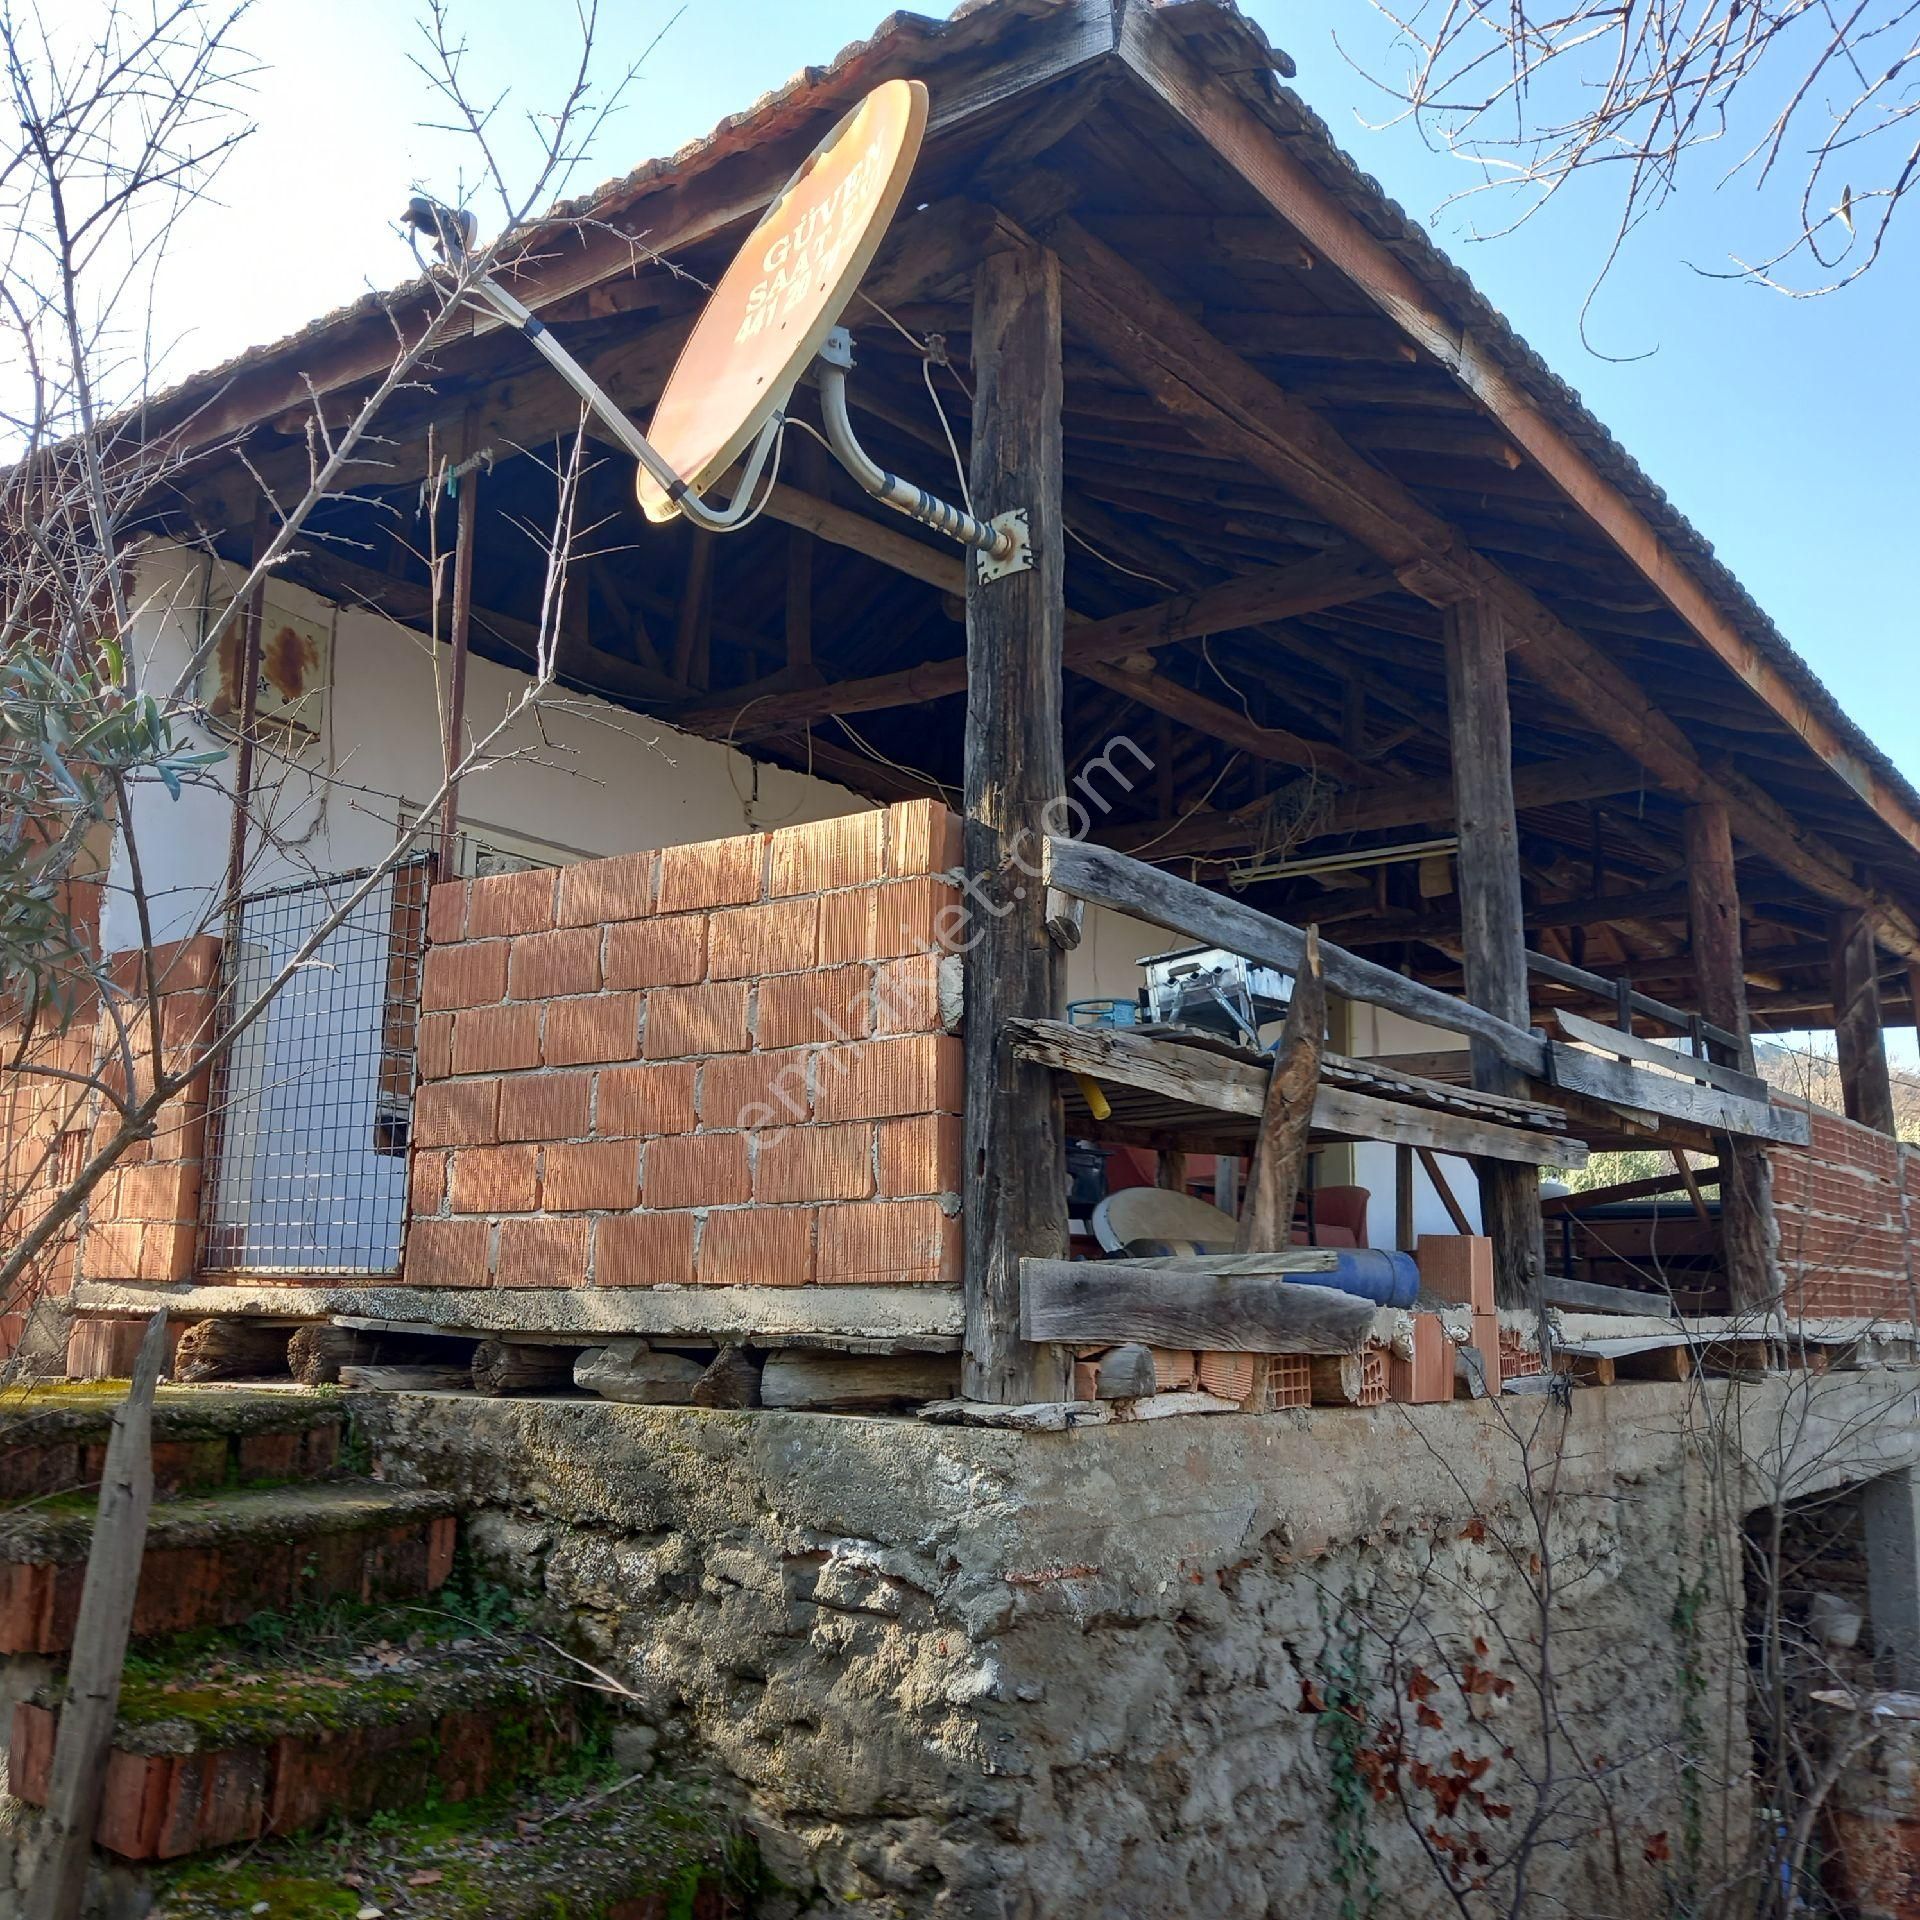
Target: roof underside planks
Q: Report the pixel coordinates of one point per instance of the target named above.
(1265, 732)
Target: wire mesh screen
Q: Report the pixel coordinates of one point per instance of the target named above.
(312, 1112)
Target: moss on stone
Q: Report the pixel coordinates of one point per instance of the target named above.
(44, 1413)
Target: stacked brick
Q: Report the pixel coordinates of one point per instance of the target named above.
(143, 1219)
(1846, 1208)
(720, 1064)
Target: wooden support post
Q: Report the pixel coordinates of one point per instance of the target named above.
(251, 622)
(1864, 1082)
(1493, 930)
(1016, 1185)
(446, 864)
(1403, 1197)
(90, 1699)
(1749, 1238)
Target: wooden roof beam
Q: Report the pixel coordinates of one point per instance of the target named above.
(1260, 158)
(1231, 406)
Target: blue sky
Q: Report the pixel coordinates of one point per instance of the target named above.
(1786, 430)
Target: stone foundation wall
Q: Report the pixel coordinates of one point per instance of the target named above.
(1195, 1667)
(723, 1064)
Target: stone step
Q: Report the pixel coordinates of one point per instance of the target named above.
(216, 1560)
(212, 1750)
(54, 1439)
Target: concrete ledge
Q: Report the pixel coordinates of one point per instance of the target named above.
(899, 1319)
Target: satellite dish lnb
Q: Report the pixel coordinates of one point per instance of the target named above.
(775, 312)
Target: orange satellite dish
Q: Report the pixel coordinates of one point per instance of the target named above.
(785, 291)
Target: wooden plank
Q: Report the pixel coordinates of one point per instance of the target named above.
(1630, 1046)
(1195, 1077)
(1608, 1196)
(1562, 973)
(1110, 879)
(1621, 1085)
(1261, 158)
(1014, 769)
(1088, 1301)
(1584, 1296)
(90, 1696)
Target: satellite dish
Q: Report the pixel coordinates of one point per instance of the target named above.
(785, 291)
(775, 312)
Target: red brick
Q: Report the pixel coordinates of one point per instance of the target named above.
(875, 1079)
(179, 966)
(1426, 1379)
(469, 975)
(447, 912)
(511, 903)
(597, 891)
(543, 1253)
(644, 1250)
(1486, 1336)
(822, 854)
(745, 942)
(822, 1004)
(906, 995)
(689, 1020)
(433, 1045)
(543, 966)
(922, 837)
(503, 1039)
(426, 1181)
(813, 1163)
(169, 1250)
(921, 1155)
(671, 952)
(456, 1113)
(546, 1106)
(712, 873)
(446, 1253)
(635, 1101)
(757, 1247)
(887, 1242)
(695, 1170)
(885, 922)
(1457, 1266)
(602, 1026)
(494, 1180)
(601, 1178)
(158, 1192)
(758, 1090)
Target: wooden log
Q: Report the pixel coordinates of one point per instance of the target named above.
(1130, 886)
(1866, 1087)
(315, 1354)
(90, 1696)
(631, 1372)
(732, 1379)
(1338, 1379)
(854, 1382)
(231, 1349)
(1587, 1296)
(1286, 1119)
(418, 1378)
(1014, 767)
(1493, 928)
(501, 1367)
(1125, 1373)
(1176, 1304)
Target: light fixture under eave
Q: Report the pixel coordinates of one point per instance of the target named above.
(1243, 877)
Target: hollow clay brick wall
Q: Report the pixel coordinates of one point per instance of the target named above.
(143, 1219)
(1847, 1208)
(721, 1064)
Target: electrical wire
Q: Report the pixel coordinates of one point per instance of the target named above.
(1227, 766)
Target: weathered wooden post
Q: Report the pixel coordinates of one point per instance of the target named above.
(1016, 1181)
(1749, 1237)
(1492, 930)
(1865, 1085)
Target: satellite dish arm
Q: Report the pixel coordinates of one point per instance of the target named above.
(1001, 543)
(615, 419)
